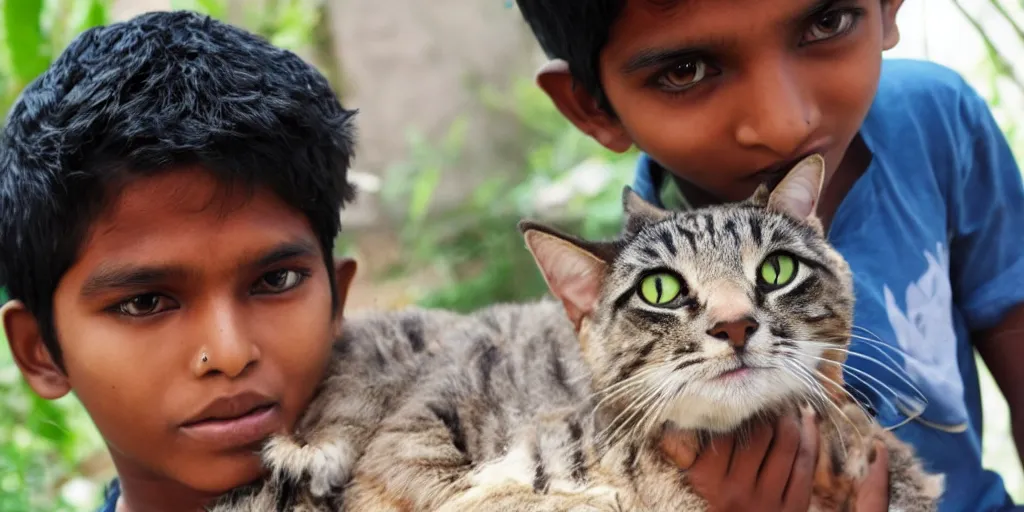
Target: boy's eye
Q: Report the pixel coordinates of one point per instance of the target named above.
(684, 75)
(279, 281)
(143, 305)
(830, 24)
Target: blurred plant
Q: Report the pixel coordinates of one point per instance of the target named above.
(33, 32)
(568, 180)
(1004, 65)
(285, 23)
(51, 457)
(301, 26)
(45, 446)
(1000, 66)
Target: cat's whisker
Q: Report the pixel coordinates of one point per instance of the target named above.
(898, 375)
(877, 342)
(619, 389)
(656, 414)
(648, 412)
(863, 398)
(839, 432)
(853, 372)
(818, 391)
(883, 347)
(860, 399)
(818, 374)
(632, 409)
(868, 331)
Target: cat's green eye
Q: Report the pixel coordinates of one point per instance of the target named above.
(778, 270)
(660, 288)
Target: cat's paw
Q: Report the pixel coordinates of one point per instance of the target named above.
(325, 465)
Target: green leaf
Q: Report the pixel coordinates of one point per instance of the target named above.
(422, 193)
(214, 8)
(24, 38)
(95, 15)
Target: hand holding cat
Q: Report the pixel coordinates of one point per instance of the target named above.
(873, 495)
(773, 471)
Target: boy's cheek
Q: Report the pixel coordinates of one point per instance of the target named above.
(137, 384)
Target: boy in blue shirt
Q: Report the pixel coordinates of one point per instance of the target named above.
(170, 190)
(922, 197)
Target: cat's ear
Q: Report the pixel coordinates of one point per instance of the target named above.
(573, 269)
(640, 213)
(798, 193)
(761, 195)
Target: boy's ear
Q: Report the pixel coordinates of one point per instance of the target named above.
(579, 107)
(573, 272)
(798, 193)
(890, 30)
(34, 360)
(344, 274)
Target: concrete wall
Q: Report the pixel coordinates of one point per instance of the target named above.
(412, 64)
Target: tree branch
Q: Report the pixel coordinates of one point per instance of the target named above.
(1003, 65)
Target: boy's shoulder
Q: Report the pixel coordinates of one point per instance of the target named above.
(925, 111)
(916, 90)
(921, 76)
(110, 496)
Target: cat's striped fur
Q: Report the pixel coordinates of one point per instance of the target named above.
(529, 411)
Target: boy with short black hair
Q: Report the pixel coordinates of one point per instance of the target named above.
(170, 190)
(922, 197)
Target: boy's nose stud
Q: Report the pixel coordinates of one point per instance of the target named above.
(204, 359)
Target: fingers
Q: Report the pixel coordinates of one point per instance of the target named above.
(778, 463)
(680, 447)
(747, 459)
(713, 461)
(873, 494)
(801, 480)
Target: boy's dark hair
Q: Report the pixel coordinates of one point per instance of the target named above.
(162, 90)
(575, 31)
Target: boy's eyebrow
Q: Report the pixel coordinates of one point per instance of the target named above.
(112, 277)
(286, 251)
(658, 57)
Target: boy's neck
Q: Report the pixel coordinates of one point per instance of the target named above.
(855, 163)
(151, 493)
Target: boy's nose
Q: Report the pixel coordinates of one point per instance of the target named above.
(779, 112)
(228, 347)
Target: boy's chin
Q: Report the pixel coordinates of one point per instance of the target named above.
(222, 473)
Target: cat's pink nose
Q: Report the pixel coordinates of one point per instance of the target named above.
(736, 332)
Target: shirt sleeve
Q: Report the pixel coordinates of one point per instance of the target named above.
(987, 219)
(643, 181)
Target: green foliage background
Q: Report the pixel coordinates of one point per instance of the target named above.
(51, 458)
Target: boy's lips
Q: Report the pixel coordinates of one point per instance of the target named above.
(773, 174)
(235, 421)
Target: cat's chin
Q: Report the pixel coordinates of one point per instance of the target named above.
(722, 404)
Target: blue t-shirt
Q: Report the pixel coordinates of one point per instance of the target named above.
(934, 233)
(110, 496)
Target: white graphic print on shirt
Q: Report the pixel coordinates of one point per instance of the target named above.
(926, 335)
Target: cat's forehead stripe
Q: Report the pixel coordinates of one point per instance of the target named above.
(719, 234)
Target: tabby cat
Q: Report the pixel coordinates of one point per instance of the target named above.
(705, 319)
